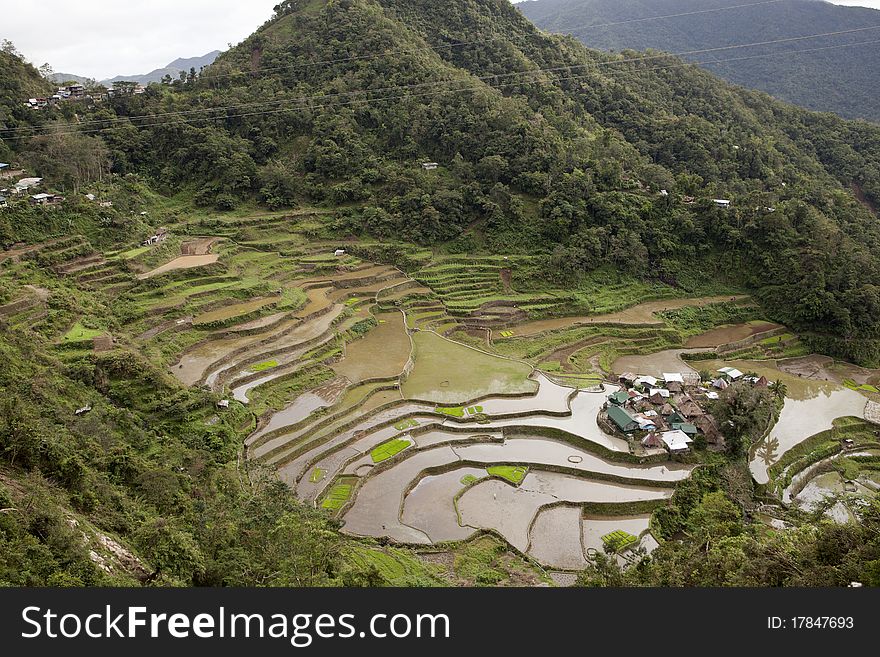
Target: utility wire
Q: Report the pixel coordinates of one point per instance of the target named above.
(485, 78)
(470, 87)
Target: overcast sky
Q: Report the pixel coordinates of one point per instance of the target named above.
(103, 38)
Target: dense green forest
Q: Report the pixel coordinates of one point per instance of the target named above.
(544, 147)
(830, 78)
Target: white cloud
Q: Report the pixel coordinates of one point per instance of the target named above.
(103, 38)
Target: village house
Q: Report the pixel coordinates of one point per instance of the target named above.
(619, 398)
(730, 373)
(26, 183)
(652, 441)
(159, 236)
(3, 165)
(339, 252)
(624, 421)
(429, 166)
(676, 441)
(722, 203)
(46, 199)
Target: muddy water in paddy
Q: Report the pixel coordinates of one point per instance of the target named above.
(321, 439)
(643, 313)
(429, 506)
(654, 364)
(509, 510)
(377, 505)
(192, 365)
(262, 322)
(305, 331)
(582, 421)
(810, 407)
(450, 373)
(299, 409)
(556, 538)
(595, 527)
(726, 334)
(542, 451)
(234, 310)
(801, 419)
(382, 352)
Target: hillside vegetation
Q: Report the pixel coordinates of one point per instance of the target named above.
(830, 79)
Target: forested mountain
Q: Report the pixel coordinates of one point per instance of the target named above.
(831, 78)
(174, 69)
(543, 146)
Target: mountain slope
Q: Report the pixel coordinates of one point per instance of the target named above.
(173, 69)
(841, 80)
(545, 147)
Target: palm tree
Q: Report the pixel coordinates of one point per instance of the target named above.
(779, 388)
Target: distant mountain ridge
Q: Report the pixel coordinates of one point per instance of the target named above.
(173, 69)
(841, 80)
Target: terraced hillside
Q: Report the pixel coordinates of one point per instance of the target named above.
(426, 403)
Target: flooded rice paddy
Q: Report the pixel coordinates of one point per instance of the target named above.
(727, 334)
(811, 406)
(450, 373)
(383, 352)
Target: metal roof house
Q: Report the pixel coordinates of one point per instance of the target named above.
(618, 398)
(722, 203)
(624, 421)
(676, 441)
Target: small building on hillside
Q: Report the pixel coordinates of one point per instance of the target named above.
(652, 441)
(722, 203)
(429, 166)
(686, 427)
(46, 199)
(762, 382)
(676, 441)
(619, 398)
(27, 183)
(3, 165)
(339, 252)
(663, 392)
(688, 408)
(731, 373)
(709, 427)
(627, 377)
(646, 381)
(624, 421)
(3, 203)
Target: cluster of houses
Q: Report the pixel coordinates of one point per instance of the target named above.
(77, 92)
(667, 412)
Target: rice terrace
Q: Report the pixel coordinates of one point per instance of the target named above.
(452, 404)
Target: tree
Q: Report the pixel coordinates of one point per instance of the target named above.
(780, 390)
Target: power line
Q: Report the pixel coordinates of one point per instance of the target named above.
(571, 30)
(472, 87)
(340, 60)
(485, 78)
